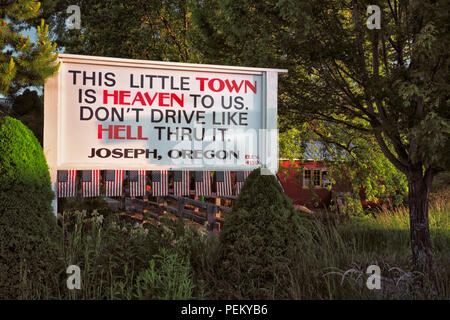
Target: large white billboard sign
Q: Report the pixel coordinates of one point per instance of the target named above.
(108, 113)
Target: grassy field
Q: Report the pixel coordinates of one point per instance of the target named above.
(384, 239)
(169, 260)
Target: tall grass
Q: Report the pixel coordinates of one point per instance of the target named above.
(384, 239)
(118, 259)
(387, 232)
(173, 261)
(166, 278)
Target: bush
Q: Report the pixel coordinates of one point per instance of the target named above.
(258, 241)
(29, 235)
(262, 191)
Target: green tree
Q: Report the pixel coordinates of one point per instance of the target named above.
(292, 142)
(23, 62)
(391, 83)
(142, 29)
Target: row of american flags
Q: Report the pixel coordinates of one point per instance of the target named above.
(114, 183)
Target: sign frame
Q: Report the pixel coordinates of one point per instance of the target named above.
(53, 97)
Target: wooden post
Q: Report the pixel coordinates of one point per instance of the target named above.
(180, 204)
(196, 198)
(217, 215)
(209, 218)
(211, 211)
(215, 212)
(122, 203)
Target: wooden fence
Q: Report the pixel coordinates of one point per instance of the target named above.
(183, 208)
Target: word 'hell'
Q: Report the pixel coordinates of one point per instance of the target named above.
(116, 132)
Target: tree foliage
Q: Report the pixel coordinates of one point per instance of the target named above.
(151, 30)
(23, 62)
(29, 109)
(341, 71)
(391, 82)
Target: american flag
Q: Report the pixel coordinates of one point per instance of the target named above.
(138, 183)
(91, 183)
(160, 183)
(67, 183)
(223, 183)
(202, 183)
(181, 183)
(114, 183)
(240, 179)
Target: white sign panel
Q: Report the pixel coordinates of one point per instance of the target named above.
(107, 113)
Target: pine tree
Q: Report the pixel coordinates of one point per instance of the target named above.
(23, 62)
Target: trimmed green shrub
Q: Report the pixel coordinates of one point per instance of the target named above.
(262, 191)
(259, 241)
(29, 235)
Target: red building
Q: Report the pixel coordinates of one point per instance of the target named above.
(305, 182)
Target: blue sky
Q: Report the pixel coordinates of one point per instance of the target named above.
(32, 33)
